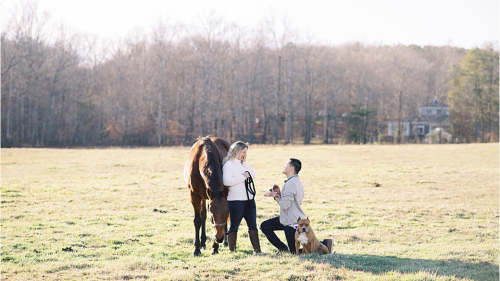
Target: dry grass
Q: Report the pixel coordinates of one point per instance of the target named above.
(88, 214)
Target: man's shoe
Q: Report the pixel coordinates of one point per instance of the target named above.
(329, 244)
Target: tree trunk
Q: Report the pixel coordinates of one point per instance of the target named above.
(276, 124)
(326, 109)
(288, 113)
(400, 97)
(264, 113)
(9, 105)
(51, 108)
(160, 103)
(308, 121)
(62, 123)
(251, 117)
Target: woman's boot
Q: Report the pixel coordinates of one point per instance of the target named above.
(231, 240)
(254, 239)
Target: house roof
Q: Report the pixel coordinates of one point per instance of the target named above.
(435, 104)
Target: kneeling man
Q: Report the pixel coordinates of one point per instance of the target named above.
(289, 200)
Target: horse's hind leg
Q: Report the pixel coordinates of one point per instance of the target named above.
(203, 237)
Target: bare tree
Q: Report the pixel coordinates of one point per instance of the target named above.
(170, 85)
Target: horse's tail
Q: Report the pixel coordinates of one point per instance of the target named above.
(212, 170)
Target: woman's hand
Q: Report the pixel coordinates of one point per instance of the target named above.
(246, 175)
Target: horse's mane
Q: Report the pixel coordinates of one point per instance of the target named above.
(212, 169)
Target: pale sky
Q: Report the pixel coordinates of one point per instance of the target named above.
(462, 23)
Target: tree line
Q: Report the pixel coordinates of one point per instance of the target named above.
(269, 85)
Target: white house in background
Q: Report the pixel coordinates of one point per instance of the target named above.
(430, 116)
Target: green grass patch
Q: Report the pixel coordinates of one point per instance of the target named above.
(408, 212)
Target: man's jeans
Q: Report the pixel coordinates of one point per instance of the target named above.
(269, 226)
(239, 210)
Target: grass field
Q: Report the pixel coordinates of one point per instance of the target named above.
(88, 214)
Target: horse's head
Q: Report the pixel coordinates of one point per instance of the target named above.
(219, 213)
(212, 175)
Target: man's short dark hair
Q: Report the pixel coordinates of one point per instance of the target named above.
(296, 164)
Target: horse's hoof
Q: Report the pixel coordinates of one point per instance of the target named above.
(215, 253)
(196, 253)
(203, 247)
(226, 244)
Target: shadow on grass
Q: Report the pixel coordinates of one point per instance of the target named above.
(382, 264)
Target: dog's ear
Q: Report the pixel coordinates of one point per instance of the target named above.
(307, 218)
(298, 220)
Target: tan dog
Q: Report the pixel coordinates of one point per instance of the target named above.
(306, 237)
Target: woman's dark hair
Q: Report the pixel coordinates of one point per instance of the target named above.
(296, 164)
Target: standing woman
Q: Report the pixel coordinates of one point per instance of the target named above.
(237, 175)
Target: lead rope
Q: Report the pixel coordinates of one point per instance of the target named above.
(250, 186)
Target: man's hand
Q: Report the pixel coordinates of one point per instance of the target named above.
(274, 192)
(276, 189)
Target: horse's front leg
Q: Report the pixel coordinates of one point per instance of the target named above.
(215, 247)
(203, 222)
(225, 236)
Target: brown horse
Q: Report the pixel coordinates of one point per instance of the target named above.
(203, 175)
